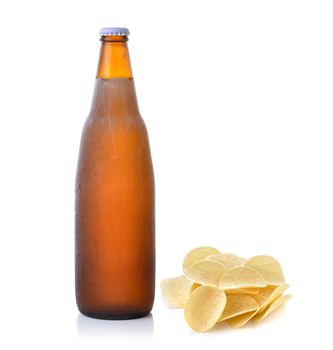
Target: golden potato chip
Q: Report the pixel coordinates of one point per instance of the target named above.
(229, 261)
(263, 294)
(268, 295)
(261, 298)
(241, 320)
(241, 277)
(238, 304)
(176, 290)
(243, 291)
(205, 272)
(197, 255)
(204, 307)
(268, 267)
(272, 307)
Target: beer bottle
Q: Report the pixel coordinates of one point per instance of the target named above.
(114, 206)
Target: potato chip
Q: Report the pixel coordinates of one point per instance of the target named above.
(268, 267)
(206, 272)
(197, 255)
(241, 277)
(272, 307)
(238, 304)
(229, 261)
(204, 307)
(241, 320)
(176, 290)
(268, 295)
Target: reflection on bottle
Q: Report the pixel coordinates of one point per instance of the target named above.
(91, 327)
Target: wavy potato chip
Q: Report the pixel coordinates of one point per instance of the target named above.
(241, 320)
(176, 290)
(241, 277)
(268, 295)
(229, 261)
(196, 255)
(269, 268)
(238, 304)
(206, 272)
(204, 307)
(272, 307)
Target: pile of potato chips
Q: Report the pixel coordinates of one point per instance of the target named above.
(220, 287)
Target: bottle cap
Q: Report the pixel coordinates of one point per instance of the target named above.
(114, 31)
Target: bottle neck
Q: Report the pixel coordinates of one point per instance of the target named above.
(114, 94)
(114, 59)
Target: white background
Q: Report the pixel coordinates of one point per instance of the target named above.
(237, 98)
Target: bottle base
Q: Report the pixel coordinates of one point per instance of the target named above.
(115, 316)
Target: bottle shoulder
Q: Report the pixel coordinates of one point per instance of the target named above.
(101, 126)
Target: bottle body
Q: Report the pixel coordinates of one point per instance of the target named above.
(115, 219)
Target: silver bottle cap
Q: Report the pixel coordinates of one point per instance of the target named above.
(114, 31)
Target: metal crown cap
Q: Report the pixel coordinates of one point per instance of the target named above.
(114, 31)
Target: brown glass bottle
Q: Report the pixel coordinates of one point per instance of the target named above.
(115, 220)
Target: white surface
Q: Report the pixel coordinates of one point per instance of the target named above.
(237, 97)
